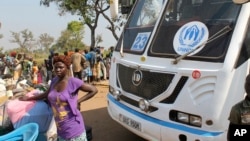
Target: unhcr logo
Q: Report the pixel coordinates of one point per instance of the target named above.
(190, 36)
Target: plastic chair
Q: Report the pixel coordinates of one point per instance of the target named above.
(27, 132)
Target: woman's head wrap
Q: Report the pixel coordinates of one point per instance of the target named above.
(62, 58)
(13, 54)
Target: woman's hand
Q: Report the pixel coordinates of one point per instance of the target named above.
(24, 98)
(79, 106)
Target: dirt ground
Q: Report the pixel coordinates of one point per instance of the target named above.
(96, 115)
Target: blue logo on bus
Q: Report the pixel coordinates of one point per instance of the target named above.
(189, 37)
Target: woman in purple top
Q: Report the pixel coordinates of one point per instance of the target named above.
(63, 98)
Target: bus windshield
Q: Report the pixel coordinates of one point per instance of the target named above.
(203, 27)
(142, 22)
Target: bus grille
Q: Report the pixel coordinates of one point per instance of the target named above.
(152, 84)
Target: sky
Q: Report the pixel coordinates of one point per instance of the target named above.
(18, 15)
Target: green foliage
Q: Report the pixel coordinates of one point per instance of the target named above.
(69, 40)
(39, 57)
(75, 27)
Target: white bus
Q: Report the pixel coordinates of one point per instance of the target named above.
(178, 68)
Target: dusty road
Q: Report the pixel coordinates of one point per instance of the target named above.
(96, 115)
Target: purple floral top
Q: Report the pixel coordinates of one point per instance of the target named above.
(68, 118)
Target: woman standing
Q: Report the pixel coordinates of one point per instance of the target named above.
(63, 98)
(34, 73)
(17, 67)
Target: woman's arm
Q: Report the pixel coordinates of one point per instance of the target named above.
(36, 97)
(91, 91)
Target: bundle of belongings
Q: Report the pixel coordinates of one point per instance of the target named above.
(18, 113)
(23, 112)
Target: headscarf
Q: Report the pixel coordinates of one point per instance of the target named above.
(62, 58)
(13, 54)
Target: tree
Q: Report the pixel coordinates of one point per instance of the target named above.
(89, 10)
(45, 41)
(76, 27)
(76, 30)
(98, 39)
(63, 41)
(71, 37)
(115, 24)
(24, 39)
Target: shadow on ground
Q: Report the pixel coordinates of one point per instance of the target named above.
(104, 128)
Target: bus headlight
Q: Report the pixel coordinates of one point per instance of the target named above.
(144, 105)
(183, 117)
(115, 93)
(186, 118)
(194, 120)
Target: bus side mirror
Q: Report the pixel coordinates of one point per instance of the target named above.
(240, 1)
(126, 6)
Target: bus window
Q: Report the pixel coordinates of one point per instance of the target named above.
(140, 26)
(204, 20)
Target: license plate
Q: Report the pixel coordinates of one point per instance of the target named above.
(130, 122)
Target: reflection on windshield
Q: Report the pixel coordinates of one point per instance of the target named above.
(146, 13)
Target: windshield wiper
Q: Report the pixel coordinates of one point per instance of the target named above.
(218, 34)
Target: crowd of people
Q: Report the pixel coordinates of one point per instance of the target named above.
(88, 65)
(16, 65)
